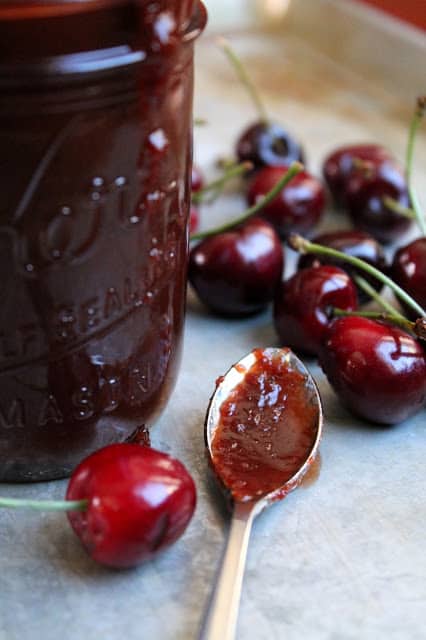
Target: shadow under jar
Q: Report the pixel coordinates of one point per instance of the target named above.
(95, 138)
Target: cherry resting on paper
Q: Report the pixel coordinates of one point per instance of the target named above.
(267, 144)
(297, 208)
(365, 196)
(341, 164)
(354, 243)
(301, 306)
(235, 272)
(377, 370)
(139, 502)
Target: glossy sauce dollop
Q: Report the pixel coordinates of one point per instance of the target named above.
(267, 429)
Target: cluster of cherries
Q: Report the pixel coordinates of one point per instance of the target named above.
(376, 362)
(377, 368)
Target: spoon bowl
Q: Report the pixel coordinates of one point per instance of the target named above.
(230, 381)
(266, 383)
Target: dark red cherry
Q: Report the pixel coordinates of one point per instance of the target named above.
(365, 193)
(378, 371)
(197, 179)
(354, 243)
(235, 273)
(194, 219)
(268, 144)
(409, 271)
(139, 502)
(302, 305)
(297, 208)
(339, 165)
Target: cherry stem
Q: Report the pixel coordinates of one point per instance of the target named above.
(371, 291)
(244, 78)
(304, 246)
(399, 208)
(44, 505)
(217, 185)
(414, 126)
(292, 171)
(416, 328)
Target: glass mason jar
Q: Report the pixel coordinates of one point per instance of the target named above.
(95, 134)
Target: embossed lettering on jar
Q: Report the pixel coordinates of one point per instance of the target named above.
(96, 147)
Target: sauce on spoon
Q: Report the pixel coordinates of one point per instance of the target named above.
(267, 428)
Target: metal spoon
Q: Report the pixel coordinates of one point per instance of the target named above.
(221, 616)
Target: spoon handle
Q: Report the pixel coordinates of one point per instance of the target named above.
(221, 616)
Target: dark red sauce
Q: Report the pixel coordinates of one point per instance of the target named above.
(95, 138)
(267, 429)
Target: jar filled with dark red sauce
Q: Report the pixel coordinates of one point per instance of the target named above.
(95, 139)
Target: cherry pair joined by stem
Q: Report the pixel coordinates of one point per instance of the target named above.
(378, 370)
